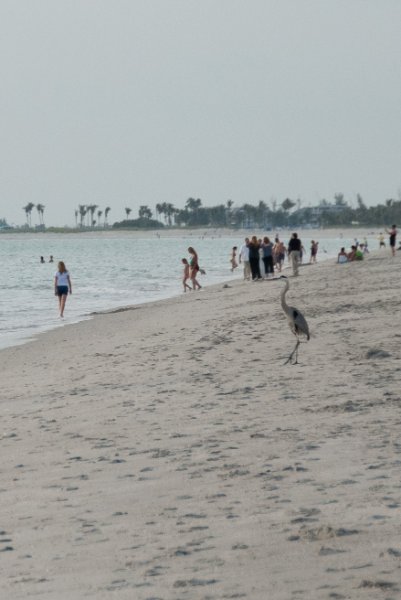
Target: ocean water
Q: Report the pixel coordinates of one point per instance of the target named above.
(108, 270)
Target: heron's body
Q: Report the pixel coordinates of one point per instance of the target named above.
(296, 320)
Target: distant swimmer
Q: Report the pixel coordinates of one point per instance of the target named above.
(51, 258)
(42, 260)
(62, 286)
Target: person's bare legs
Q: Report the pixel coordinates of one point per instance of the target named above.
(63, 299)
(195, 284)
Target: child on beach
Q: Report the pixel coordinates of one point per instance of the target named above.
(313, 251)
(342, 256)
(233, 259)
(62, 285)
(185, 275)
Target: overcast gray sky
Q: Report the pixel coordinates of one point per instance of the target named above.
(129, 102)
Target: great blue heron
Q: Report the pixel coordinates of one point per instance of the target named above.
(296, 321)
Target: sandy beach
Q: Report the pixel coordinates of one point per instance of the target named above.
(166, 452)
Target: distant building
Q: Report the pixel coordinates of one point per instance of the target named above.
(4, 225)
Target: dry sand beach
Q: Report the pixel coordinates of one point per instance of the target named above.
(166, 452)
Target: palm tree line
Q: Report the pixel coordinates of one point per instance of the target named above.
(28, 213)
(287, 213)
(90, 215)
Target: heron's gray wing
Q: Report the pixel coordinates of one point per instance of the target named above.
(300, 323)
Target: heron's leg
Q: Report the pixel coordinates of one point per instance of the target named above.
(295, 351)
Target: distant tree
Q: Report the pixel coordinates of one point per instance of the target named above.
(99, 215)
(249, 215)
(82, 212)
(170, 212)
(140, 223)
(217, 216)
(229, 205)
(192, 204)
(128, 211)
(76, 217)
(339, 200)
(144, 212)
(41, 209)
(106, 214)
(28, 212)
(91, 213)
(161, 210)
(262, 213)
(287, 204)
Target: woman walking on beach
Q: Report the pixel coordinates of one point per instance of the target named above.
(62, 285)
(194, 268)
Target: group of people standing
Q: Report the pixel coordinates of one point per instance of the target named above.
(272, 255)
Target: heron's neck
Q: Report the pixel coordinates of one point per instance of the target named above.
(283, 293)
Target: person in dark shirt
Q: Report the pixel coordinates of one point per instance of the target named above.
(254, 258)
(393, 236)
(294, 252)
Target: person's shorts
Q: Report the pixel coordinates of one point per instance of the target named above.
(62, 290)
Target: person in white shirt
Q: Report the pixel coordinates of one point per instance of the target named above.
(62, 285)
(244, 258)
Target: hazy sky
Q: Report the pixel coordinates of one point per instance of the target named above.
(129, 102)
